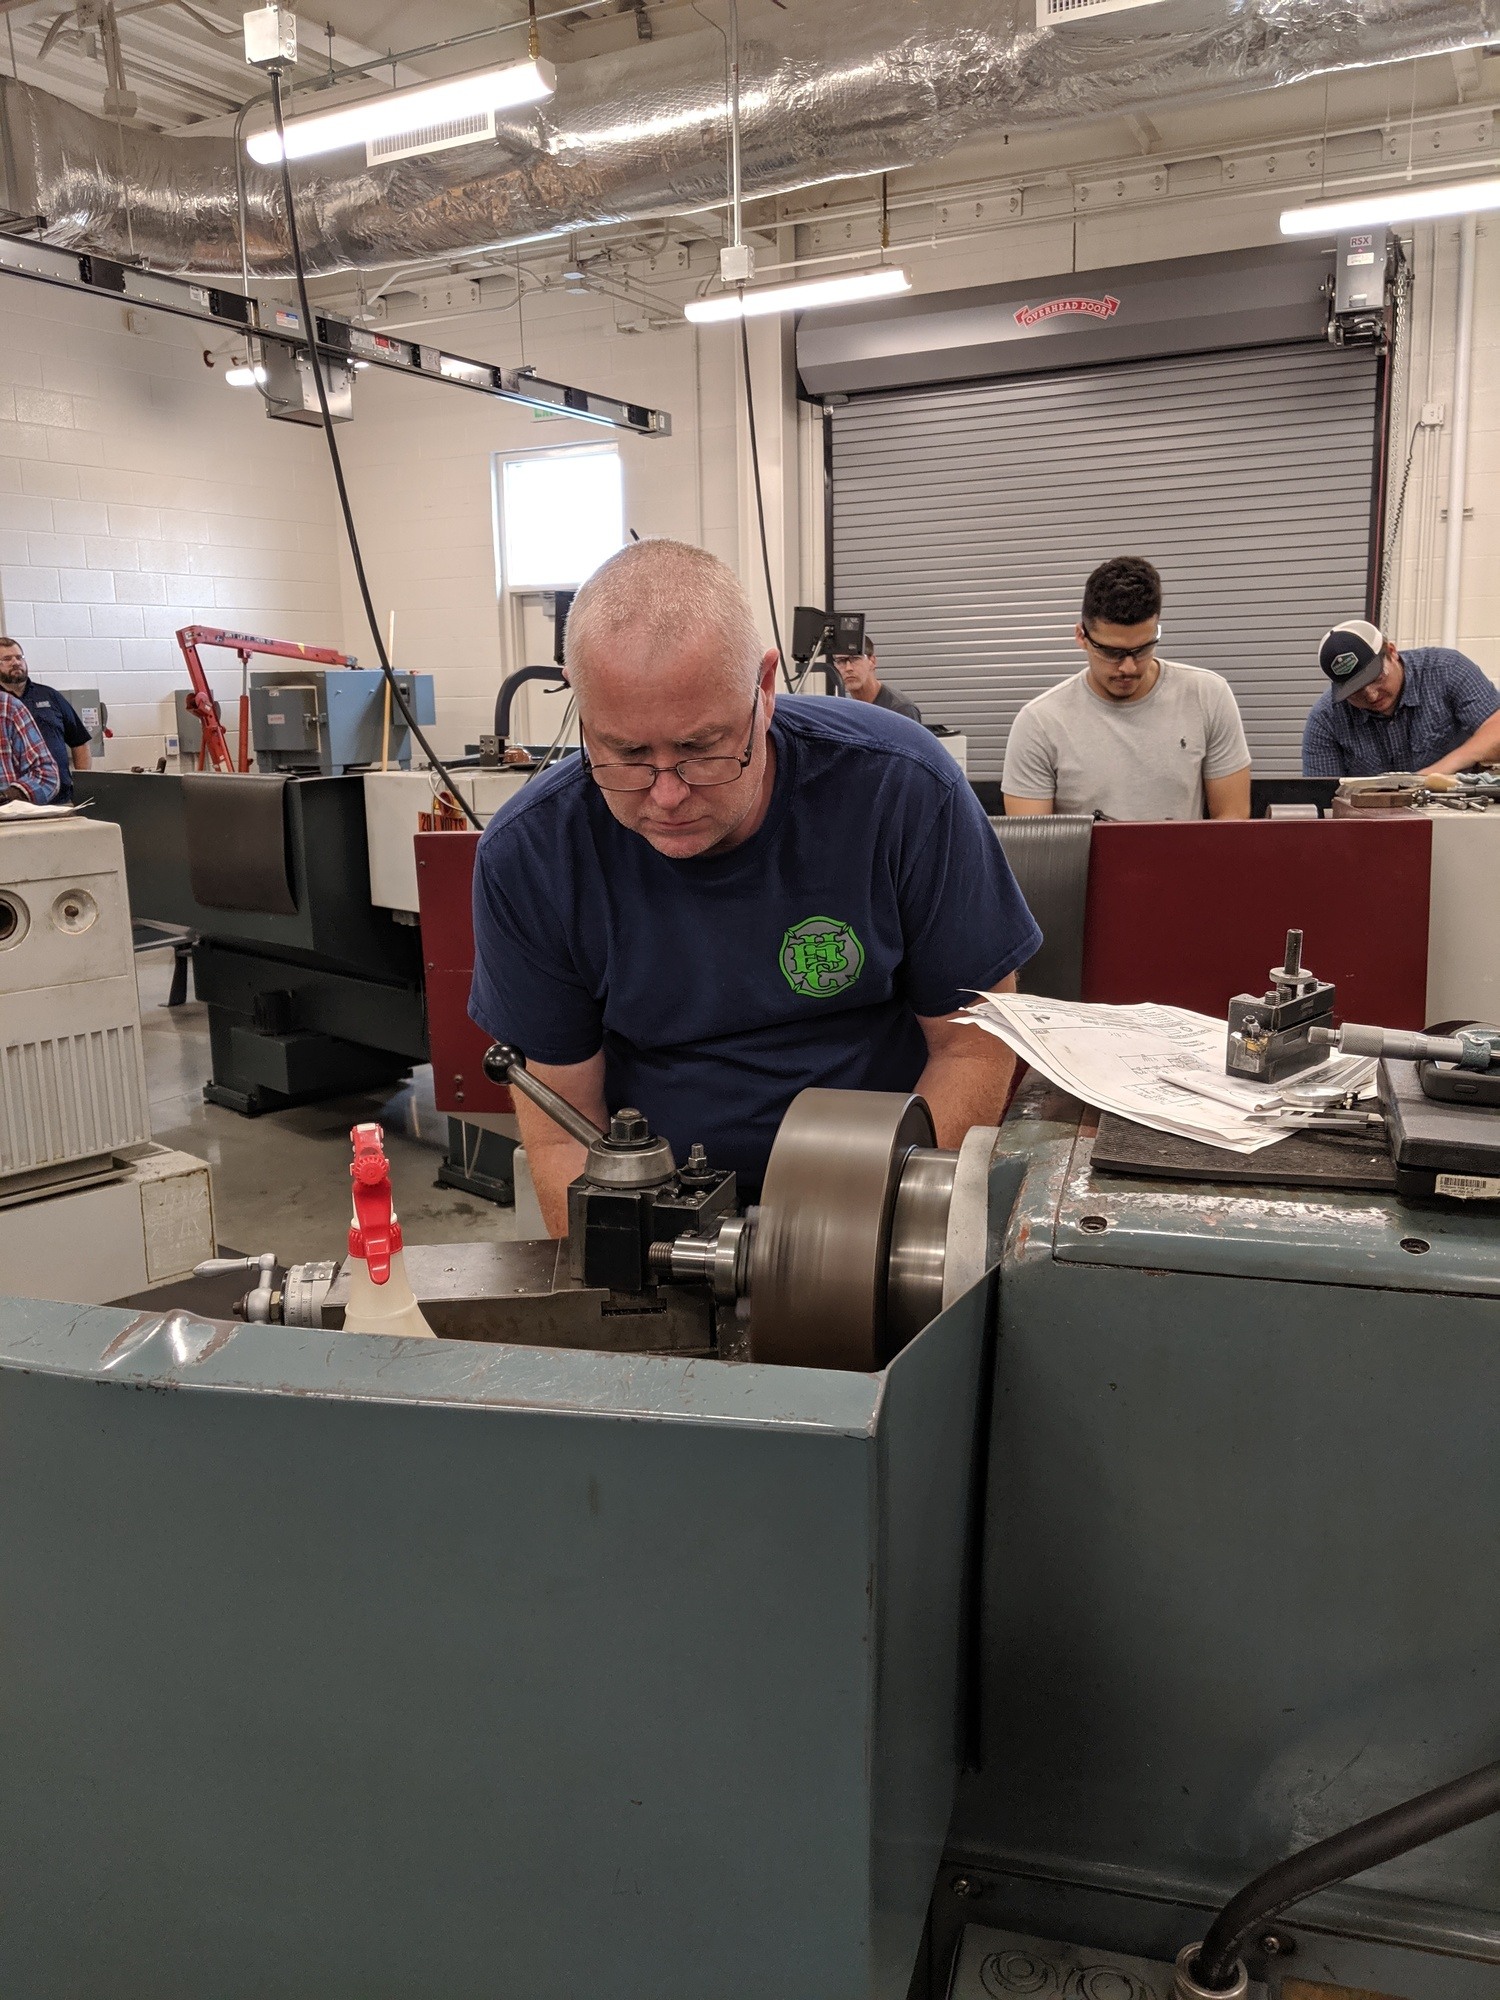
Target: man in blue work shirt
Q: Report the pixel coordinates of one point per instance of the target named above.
(731, 896)
(1428, 709)
(63, 730)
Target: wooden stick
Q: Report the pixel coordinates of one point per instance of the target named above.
(385, 732)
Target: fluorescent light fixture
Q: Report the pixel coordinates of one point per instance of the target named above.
(425, 105)
(1421, 204)
(884, 283)
(243, 376)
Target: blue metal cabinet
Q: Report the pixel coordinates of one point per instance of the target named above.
(1242, 1539)
(347, 1667)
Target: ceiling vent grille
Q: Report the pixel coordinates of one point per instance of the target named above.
(465, 131)
(1053, 13)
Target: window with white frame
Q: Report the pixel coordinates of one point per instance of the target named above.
(562, 513)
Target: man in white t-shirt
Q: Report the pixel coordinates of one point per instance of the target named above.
(1133, 736)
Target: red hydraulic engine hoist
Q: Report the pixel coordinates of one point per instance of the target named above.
(215, 750)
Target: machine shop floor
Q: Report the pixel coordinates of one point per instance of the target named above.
(281, 1182)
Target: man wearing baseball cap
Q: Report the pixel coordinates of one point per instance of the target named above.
(1427, 709)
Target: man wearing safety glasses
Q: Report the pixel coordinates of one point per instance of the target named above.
(1133, 736)
(731, 895)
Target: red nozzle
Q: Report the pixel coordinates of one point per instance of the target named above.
(375, 1235)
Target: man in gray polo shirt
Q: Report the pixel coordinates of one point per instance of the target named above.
(1133, 736)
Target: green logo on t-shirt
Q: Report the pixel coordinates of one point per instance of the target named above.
(820, 957)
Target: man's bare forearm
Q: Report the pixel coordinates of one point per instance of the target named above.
(1483, 747)
(965, 1090)
(556, 1158)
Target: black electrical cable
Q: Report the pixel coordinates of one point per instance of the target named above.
(760, 506)
(309, 327)
(1443, 1810)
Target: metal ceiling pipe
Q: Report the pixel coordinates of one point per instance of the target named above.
(849, 87)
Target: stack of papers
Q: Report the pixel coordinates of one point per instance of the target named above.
(24, 809)
(1159, 1066)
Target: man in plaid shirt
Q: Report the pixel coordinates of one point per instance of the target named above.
(26, 767)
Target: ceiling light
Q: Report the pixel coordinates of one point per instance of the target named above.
(1424, 204)
(400, 111)
(884, 283)
(244, 376)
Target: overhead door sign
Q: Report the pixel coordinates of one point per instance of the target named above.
(1078, 308)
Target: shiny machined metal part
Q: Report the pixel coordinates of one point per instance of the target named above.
(303, 1291)
(819, 1262)
(1186, 1987)
(720, 1261)
(919, 1243)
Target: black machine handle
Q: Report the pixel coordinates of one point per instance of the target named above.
(507, 1066)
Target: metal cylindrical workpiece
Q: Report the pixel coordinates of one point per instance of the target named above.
(720, 1261)
(919, 1242)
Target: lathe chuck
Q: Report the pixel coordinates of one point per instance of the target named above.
(825, 1291)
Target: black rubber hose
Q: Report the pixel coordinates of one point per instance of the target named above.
(310, 329)
(1444, 1810)
(509, 687)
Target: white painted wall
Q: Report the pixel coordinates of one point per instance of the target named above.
(139, 494)
(1417, 599)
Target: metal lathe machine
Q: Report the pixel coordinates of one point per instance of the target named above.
(955, 1577)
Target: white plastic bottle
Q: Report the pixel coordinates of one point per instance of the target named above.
(381, 1299)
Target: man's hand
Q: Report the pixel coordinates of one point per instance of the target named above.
(968, 1075)
(1483, 747)
(1228, 798)
(555, 1157)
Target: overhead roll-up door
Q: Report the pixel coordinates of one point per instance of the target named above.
(965, 520)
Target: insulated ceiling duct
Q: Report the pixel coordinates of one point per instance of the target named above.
(849, 87)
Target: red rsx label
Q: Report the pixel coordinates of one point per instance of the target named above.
(1104, 308)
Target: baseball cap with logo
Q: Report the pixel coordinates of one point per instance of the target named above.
(1350, 656)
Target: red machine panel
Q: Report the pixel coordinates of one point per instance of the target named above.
(445, 875)
(1192, 913)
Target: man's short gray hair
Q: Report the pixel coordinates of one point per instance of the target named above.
(663, 594)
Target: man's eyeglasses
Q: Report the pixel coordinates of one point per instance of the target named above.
(699, 772)
(1116, 656)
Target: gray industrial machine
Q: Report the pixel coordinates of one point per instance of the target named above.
(333, 719)
(951, 1580)
(310, 988)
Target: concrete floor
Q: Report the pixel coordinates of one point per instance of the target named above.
(281, 1182)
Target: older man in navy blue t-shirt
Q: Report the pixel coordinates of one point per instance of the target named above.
(728, 897)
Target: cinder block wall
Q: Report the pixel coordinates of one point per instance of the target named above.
(139, 494)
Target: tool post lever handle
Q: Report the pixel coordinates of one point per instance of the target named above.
(507, 1066)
